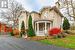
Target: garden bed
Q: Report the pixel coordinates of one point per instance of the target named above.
(72, 32)
(40, 37)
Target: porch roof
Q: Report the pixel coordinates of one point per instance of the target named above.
(43, 20)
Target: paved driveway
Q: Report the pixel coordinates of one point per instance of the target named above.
(11, 43)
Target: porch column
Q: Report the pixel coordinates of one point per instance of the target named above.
(45, 27)
(50, 25)
(37, 26)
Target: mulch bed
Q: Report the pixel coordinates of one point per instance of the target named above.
(40, 37)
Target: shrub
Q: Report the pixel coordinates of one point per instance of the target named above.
(30, 27)
(66, 24)
(22, 29)
(11, 33)
(16, 31)
(54, 31)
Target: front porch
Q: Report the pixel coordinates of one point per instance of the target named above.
(42, 27)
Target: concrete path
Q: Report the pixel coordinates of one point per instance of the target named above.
(11, 43)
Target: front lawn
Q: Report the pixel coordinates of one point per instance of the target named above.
(67, 42)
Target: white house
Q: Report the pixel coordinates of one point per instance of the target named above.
(47, 18)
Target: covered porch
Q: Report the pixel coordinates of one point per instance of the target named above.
(42, 27)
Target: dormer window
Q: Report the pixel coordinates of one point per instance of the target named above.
(46, 14)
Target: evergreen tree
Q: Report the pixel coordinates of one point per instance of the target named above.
(22, 29)
(30, 27)
(66, 24)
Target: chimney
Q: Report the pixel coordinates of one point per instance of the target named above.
(57, 4)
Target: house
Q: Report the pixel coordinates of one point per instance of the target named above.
(42, 21)
(4, 29)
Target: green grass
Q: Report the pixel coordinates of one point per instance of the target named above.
(45, 42)
(68, 42)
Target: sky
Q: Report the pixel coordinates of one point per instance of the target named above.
(36, 5)
(33, 5)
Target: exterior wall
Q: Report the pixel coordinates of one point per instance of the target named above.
(57, 20)
(35, 16)
(46, 14)
(53, 16)
(23, 17)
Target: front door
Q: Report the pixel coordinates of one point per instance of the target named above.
(41, 26)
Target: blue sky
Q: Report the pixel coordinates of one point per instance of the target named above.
(36, 5)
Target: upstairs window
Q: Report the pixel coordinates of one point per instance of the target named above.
(46, 14)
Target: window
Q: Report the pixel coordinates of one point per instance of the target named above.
(46, 14)
(48, 26)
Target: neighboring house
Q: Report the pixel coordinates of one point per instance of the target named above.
(4, 29)
(46, 19)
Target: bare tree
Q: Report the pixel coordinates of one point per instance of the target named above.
(4, 17)
(70, 7)
(12, 13)
(15, 11)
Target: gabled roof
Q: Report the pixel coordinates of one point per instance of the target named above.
(44, 8)
(48, 7)
(57, 11)
(52, 8)
(23, 11)
(35, 12)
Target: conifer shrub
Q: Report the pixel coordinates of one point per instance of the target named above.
(31, 31)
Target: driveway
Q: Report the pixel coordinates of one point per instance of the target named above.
(12, 43)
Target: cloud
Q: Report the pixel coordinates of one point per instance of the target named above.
(36, 5)
(25, 4)
(47, 2)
